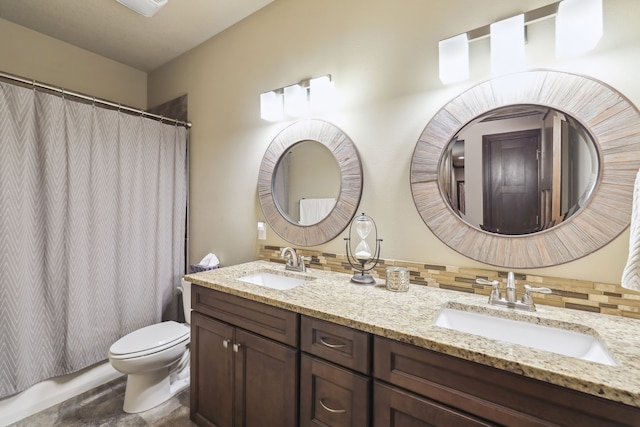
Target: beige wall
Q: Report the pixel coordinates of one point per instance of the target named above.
(32, 55)
(383, 57)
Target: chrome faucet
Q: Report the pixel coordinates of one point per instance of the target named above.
(511, 287)
(511, 300)
(294, 262)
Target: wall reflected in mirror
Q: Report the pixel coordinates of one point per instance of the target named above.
(519, 169)
(306, 183)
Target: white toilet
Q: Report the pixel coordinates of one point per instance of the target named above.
(155, 359)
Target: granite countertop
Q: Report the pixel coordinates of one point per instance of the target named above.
(409, 317)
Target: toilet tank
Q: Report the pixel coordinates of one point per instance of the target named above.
(185, 287)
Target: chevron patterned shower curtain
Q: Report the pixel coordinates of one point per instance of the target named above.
(92, 225)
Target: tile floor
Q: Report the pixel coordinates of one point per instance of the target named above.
(102, 407)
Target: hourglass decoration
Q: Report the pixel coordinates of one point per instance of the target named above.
(362, 258)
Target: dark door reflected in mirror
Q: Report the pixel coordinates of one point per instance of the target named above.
(519, 169)
(306, 183)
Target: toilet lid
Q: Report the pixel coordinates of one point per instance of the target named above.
(150, 337)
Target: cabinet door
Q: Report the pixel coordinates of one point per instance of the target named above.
(332, 396)
(398, 408)
(211, 372)
(266, 382)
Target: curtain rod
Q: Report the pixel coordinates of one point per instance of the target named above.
(93, 99)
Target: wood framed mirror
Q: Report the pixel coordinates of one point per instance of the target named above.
(612, 123)
(325, 226)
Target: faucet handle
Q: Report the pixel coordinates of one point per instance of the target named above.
(539, 290)
(495, 292)
(301, 264)
(526, 296)
(487, 282)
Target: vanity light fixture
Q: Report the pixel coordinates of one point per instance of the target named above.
(316, 95)
(579, 26)
(507, 45)
(578, 29)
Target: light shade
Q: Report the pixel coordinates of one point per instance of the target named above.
(454, 59)
(578, 26)
(322, 95)
(271, 106)
(296, 103)
(507, 45)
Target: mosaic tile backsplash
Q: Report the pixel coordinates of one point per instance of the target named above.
(583, 295)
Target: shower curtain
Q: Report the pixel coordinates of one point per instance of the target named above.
(92, 221)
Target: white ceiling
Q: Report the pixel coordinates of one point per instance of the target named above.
(111, 30)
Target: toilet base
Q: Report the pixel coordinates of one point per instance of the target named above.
(145, 391)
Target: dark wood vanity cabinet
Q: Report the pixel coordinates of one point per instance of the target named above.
(334, 375)
(257, 365)
(244, 362)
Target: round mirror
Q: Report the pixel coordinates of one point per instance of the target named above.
(319, 180)
(587, 217)
(519, 169)
(306, 183)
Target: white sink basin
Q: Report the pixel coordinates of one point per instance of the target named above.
(275, 280)
(555, 340)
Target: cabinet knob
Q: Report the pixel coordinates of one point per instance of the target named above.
(236, 347)
(333, 411)
(328, 344)
(225, 343)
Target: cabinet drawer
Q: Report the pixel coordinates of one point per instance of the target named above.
(332, 396)
(271, 322)
(339, 344)
(398, 408)
(490, 393)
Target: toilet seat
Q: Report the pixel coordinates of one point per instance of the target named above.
(150, 339)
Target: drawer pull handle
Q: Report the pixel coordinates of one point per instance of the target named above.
(225, 343)
(236, 347)
(333, 411)
(323, 342)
